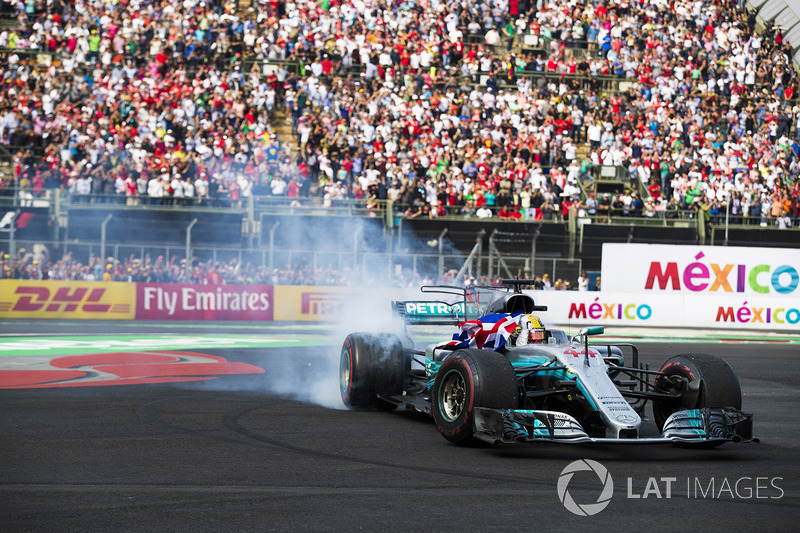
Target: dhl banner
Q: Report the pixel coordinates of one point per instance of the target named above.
(67, 299)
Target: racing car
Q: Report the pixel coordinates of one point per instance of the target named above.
(505, 378)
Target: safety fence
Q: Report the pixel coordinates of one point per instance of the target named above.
(141, 262)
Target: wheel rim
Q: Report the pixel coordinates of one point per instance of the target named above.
(344, 374)
(452, 395)
(662, 410)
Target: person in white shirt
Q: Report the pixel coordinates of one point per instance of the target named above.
(583, 282)
(594, 132)
(177, 190)
(278, 186)
(201, 188)
(83, 186)
(155, 191)
(188, 191)
(141, 186)
(483, 212)
(492, 37)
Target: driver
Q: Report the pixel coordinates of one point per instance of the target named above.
(530, 330)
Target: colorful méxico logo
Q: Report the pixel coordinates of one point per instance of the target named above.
(701, 277)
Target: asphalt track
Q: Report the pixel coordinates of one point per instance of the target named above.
(99, 435)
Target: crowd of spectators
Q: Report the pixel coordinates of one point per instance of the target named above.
(475, 108)
(38, 265)
(149, 269)
(158, 269)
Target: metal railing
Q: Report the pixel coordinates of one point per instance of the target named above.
(138, 263)
(60, 200)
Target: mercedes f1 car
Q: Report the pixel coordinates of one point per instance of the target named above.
(488, 384)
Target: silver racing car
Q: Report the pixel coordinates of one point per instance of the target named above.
(505, 378)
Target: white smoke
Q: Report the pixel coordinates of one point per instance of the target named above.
(311, 374)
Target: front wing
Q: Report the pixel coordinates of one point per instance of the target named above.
(691, 426)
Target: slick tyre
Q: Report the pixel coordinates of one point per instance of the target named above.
(468, 379)
(371, 364)
(719, 386)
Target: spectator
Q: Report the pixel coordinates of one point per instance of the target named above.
(583, 282)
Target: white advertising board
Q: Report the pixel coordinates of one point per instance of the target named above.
(673, 310)
(702, 270)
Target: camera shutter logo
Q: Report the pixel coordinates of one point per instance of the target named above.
(585, 509)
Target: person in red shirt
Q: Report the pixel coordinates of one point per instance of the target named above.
(293, 188)
(655, 190)
(327, 65)
(566, 205)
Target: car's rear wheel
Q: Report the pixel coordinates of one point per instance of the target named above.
(469, 379)
(718, 385)
(371, 364)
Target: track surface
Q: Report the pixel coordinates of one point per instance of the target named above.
(261, 452)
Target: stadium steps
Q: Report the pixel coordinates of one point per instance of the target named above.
(244, 8)
(8, 23)
(283, 129)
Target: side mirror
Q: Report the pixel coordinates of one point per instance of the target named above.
(594, 330)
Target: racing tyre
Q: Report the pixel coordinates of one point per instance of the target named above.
(371, 364)
(469, 379)
(719, 386)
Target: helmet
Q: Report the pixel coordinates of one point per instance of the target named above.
(536, 329)
(530, 330)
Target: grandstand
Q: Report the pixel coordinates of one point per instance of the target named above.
(321, 141)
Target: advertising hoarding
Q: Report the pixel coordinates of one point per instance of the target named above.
(183, 301)
(329, 304)
(706, 270)
(675, 310)
(66, 299)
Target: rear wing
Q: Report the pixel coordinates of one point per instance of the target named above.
(437, 312)
(470, 303)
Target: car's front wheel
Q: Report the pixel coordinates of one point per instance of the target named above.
(716, 385)
(469, 379)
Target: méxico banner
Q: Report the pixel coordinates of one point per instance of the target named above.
(701, 270)
(570, 309)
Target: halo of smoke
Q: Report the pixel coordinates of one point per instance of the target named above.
(366, 309)
(313, 377)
